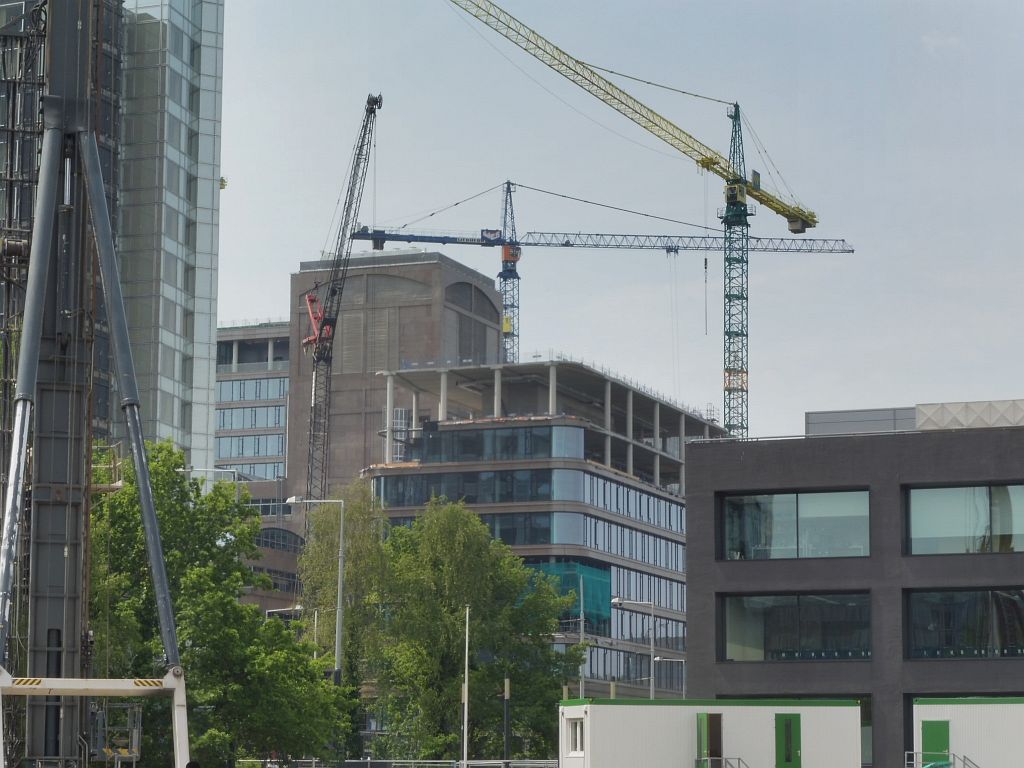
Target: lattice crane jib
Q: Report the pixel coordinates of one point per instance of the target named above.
(323, 304)
(799, 219)
(508, 279)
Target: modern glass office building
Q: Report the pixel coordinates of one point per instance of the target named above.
(885, 567)
(582, 473)
(169, 194)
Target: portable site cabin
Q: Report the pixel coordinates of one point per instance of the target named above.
(987, 731)
(664, 733)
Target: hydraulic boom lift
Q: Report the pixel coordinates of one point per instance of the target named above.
(735, 215)
(324, 306)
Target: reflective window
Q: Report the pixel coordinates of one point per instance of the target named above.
(250, 445)
(631, 668)
(966, 519)
(790, 525)
(252, 389)
(251, 418)
(270, 507)
(283, 581)
(503, 444)
(279, 539)
(573, 528)
(797, 627)
(532, 485)
(966, 623)
(266, 471)
(630, 584)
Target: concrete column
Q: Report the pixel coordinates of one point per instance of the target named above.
(234, 356)
(552, 389)
(608, 422)
(442, 404)
(682, 453)
(389, 420)
(657, 443)
(629, 431)
(270, 354)
(497, 392)
(414, 422)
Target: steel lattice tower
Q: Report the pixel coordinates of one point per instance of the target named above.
(735, 219)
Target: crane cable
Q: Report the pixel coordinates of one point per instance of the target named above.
(539, 84)
(452, 205)
(616, 208)
(656, 85)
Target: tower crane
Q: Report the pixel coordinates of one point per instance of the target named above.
(511, 252)
(735, 216)
(323, 304)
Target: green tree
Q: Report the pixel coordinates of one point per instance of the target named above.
(416, 585)
(253, 686)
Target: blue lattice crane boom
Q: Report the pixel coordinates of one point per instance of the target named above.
(324, 305)
(735, 215)
(604, 240)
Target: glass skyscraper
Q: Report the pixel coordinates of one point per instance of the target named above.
(169, 199)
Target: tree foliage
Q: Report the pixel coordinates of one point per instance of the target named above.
(409, 590)
(253, 686)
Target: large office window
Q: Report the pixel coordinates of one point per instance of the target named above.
(789, 525)
(966, 623)
(967, 519)
(503, 444)
(531, 485)
(805, 627)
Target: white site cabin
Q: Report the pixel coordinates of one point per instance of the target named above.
(743, 733)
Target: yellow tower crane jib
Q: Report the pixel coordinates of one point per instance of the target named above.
(578, 72)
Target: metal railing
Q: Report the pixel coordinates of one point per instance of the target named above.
(938, 760)
(720, 762)
(371, 763)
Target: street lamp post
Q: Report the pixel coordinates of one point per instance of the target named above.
(619, 602)
(339, 613)
(660, 659)
(465, 699)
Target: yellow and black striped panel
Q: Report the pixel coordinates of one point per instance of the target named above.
(148, 683)
(28, 681)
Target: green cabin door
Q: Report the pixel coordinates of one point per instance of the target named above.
(702, 736)
(709, 736)
(787, 741)
(934, 740)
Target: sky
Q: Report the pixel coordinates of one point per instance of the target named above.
(897, 121)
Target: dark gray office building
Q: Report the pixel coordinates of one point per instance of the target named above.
(880, 567)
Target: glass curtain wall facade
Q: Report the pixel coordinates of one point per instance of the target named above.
(633, 538)
(168, 232)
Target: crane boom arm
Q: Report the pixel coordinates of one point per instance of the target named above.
(324, 305)
(599, 240)
(323, 312)
(589, 80)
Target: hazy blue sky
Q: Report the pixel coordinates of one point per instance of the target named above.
(899, 123)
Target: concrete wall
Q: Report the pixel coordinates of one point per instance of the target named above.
(988, 731)
(663, 734)
(884, 464)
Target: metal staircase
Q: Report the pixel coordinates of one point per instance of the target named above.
(932, 760)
